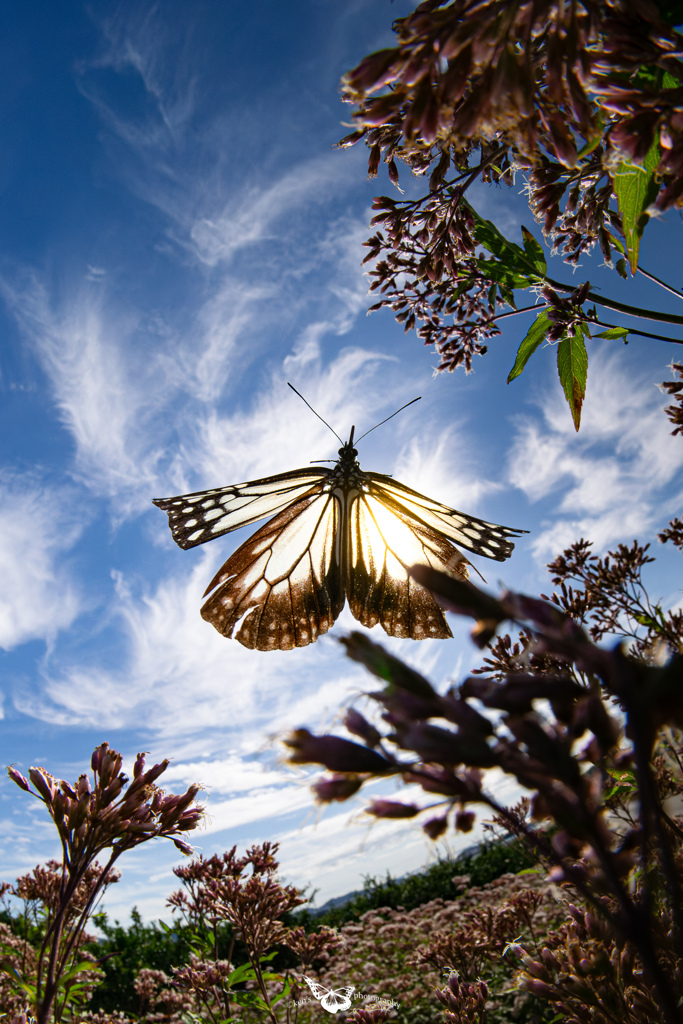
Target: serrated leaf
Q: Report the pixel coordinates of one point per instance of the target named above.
(534, 251)
(612, 333)
(503, 274)
(572, 366)
(534, 336)
(635, 188)
(516, 267)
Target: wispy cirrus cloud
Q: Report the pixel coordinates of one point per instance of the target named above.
(39, 524)
(106, 389)
(612, 481)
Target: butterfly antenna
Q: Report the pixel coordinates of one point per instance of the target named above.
(320, 418)
(411, 402)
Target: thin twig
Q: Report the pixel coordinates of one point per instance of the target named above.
(662, 284)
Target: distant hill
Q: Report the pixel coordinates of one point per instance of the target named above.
(482, 862)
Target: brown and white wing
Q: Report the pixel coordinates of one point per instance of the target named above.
(283, 587)
(201, 516)
(384, 541)
(476, 535)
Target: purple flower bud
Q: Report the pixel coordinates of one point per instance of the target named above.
(153, 774)
(359, 726)
(464, 821)
(97, 756)
(44, 783)
(392, 809)
(17, 777)
(537, 987)
(435, 827)
(336, 754)
(83, 786)
(336, 787)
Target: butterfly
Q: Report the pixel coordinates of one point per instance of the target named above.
(331, 999)
(337, 534)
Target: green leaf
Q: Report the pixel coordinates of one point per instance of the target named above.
(248, 999)
(503, 273)
(613, 332)
(84, 965)
(512, 265)
(535, 335)
(286, 989)
(616, 242)
(245, 972)
(23, 985)
(572, 366)
(590, 145)
(534, 251)
(635, 188)
(646, 620)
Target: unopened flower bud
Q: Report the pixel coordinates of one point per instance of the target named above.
(43, 782)
(336, 754)
(152, 774)
(435, 827)
(17, 777)
(392, 809)
(336, 787)
(537, 987)
(359, 726)
(464, 821)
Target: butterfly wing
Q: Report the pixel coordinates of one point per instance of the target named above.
(201, 516)
(384, 541)
(319, 991)
(283, 587)
(338, 999)
(476, 535)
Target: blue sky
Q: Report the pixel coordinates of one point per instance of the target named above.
(178, 238)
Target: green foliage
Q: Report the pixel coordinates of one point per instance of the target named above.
(535, 336)
(636, 188)
(594, 132)
(155, 946)
(488, 862)
(572, 366)
(161, 947)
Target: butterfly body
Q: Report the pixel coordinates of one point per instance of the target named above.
(337, 534)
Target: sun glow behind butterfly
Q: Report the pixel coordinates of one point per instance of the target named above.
(337, 534)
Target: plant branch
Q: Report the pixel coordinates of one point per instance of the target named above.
(621, 307)
(662, 284)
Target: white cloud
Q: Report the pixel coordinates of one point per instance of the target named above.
(251, 216)
(38, 525)
(277, 432)
(610, 481)
(107, 392)
(441, 470)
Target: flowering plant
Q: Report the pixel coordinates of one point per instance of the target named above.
(90, 819)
